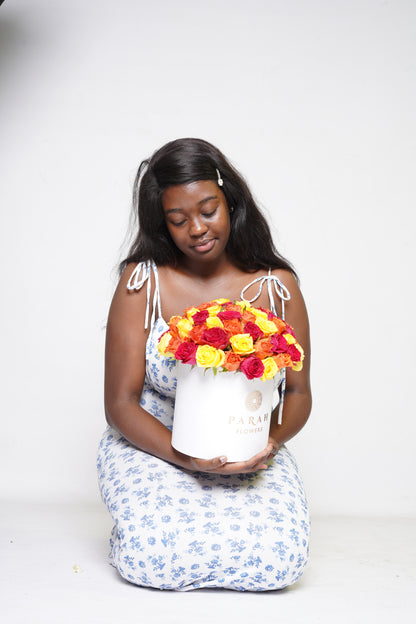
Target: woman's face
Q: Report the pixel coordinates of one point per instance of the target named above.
(198, 219)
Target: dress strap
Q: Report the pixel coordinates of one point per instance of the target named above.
(141, 274)
(284, 295)
(279, 288)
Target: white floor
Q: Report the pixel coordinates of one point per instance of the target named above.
(53, 570)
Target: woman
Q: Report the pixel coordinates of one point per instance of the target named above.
(183, 522)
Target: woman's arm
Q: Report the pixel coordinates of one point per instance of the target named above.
(125, 368)
(298, 398)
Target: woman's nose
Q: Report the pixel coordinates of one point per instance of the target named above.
(197, 227)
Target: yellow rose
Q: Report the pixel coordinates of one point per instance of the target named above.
(191, 312)
(298, 366)
(242, 344)
(221, 301)
(184, 327)
(259, 313)
(207, 356)
(213, 310)
(270, 368)
(290, 339)
(214, 321)
(163, 343)
(266, 326)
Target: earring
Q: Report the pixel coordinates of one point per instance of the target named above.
(220, 180)
(231, 208)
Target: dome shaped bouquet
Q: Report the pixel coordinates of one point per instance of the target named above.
(220, 413)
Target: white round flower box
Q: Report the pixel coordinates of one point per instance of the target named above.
(223, 414)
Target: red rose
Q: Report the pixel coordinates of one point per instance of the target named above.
(200, 317)
(215, 337)
(252, 367)
(254, 330)
(294, 353)
(279, 343)
(227, 315)
(186, 352)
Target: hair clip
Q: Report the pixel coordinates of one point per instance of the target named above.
(220, 180)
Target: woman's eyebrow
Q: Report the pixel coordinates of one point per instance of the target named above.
(207, 199)
(200, 203)
(173, 210)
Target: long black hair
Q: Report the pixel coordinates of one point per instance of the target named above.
(250, 245)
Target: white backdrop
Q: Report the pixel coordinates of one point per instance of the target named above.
(314, 102)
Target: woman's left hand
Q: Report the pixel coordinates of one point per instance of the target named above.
(273, 448)
(269, 453)
(257, 462)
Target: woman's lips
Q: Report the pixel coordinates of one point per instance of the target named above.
(204, 246)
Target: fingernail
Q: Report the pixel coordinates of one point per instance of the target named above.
(223, 459)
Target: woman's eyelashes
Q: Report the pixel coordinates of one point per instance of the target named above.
(206, 214)
(211, 213)
(177, 223)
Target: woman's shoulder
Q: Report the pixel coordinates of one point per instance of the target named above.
(294, 303)
(136, 274)
(134, 304)
(287, 278)
(135, 285)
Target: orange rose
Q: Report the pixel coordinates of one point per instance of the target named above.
(232, 361)
(196, 333)
(248, 317)
(174, 331)
(263, 348)
(173, 321)
(281, 325)
(282, 360)
(205, 306)
(173, 344)
(233, 307)
(233, 326)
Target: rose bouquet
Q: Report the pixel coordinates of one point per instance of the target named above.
(219, 413)
(232, 336)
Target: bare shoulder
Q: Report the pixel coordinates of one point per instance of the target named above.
(128, 305)
(125, 347)
(288, 279)
(296, 313)
(290, 282)
(125, 278)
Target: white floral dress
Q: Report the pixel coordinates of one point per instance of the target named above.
(183, 530)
